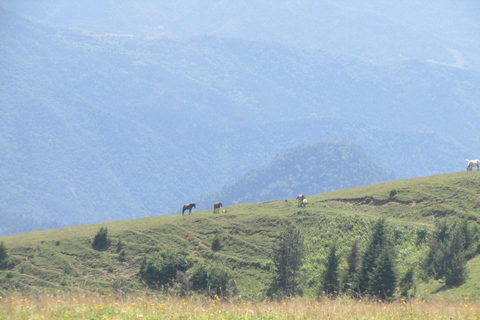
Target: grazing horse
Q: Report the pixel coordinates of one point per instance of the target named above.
(216, 207)
(473, 163)
(188, 207)
(300, 200)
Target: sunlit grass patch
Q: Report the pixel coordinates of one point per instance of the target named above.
(93, 306)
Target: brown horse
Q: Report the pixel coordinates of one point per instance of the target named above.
(188, 207)
(216, 207)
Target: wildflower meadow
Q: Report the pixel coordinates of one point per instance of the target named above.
(114, 306)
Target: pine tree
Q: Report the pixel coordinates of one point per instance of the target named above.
(383, 278)
(101, 241)
(349, 276)
(330, 283)
(446, 258)
(4, 256)
(287, 258)
(456, 264)
(457, 271)
(371, 255)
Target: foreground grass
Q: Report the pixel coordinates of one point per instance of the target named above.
(159, 307)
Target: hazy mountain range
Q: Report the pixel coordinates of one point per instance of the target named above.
(121, 110)
(317, 168)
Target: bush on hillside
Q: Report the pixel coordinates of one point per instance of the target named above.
(101, 241)
(160, 270)
(216, 243)
(6, 261)
(213, 280)
(407, 284)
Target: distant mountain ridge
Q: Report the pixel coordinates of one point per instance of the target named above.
(100, 127)
(317, 168)
(383, 31)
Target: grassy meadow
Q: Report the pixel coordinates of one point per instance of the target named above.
(110, 306)
(58, 275)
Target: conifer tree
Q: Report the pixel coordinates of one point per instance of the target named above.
(446, 258)
(383, 279)
(101, 241)
(349, 280)
(287, 257)
(4, 256)
(371, 255)
(330, 283)
(456, 264)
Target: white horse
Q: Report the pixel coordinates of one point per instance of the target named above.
(473, 163)
(304, 202)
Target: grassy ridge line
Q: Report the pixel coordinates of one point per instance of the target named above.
(454, 194)
(63, 258)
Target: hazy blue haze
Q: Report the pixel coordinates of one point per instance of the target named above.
(97, 126)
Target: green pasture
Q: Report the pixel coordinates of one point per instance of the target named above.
(63, 259)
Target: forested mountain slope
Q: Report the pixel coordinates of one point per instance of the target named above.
(311, 169)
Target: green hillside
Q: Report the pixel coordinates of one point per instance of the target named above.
(64, 259)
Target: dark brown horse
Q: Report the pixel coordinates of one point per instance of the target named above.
(216, 207)
(188, 207)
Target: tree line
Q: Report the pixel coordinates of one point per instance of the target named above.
(374, 272)
(371, 271)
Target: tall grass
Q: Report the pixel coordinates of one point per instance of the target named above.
(110, 306)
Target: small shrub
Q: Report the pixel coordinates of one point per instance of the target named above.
(421, 236)
(122, 256)
(198, 277)
(213, 279)
(216, 244)
(160, 270)
(63, 282)
(67, 269)
(57, 243)
(101, 241)
(119, 245)
(407, 284)
(393, 193)
(6, 261)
